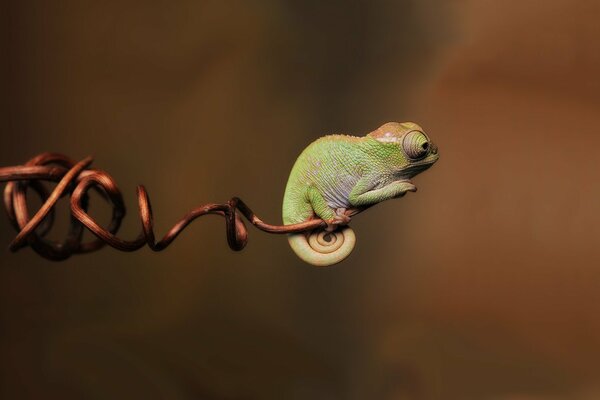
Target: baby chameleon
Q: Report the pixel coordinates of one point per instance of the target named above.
(338, 176)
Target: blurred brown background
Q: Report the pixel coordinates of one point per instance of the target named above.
(483, 285)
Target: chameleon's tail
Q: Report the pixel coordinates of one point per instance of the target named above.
(321, 248)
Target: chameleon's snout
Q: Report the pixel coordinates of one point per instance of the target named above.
(433, 155)
(434, 148)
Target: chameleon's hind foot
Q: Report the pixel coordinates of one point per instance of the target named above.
(341, 219)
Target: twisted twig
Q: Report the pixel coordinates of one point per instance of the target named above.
(75, 179)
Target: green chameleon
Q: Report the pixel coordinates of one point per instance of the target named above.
(338, 176)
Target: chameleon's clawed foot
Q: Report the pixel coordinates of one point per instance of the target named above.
(341, 218)
(405, 186)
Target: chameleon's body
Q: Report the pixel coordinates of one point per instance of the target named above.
(338, 176)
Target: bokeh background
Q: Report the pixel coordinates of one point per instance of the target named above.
(483, 285)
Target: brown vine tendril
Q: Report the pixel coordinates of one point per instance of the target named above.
(75, 179)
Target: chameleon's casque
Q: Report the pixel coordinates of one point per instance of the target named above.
(338, 176)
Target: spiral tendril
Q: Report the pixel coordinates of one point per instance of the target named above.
(75, 179)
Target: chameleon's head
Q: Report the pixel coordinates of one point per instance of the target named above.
(408, 146)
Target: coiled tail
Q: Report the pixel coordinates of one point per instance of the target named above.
(321, 248)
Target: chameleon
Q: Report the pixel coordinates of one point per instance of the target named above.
(339, 176)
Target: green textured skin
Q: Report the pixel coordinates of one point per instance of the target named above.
(338, 173)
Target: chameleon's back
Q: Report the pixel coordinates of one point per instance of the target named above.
(331, 165)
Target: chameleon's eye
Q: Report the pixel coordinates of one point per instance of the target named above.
(415, 144)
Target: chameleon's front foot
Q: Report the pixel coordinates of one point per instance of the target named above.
(404, 186)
